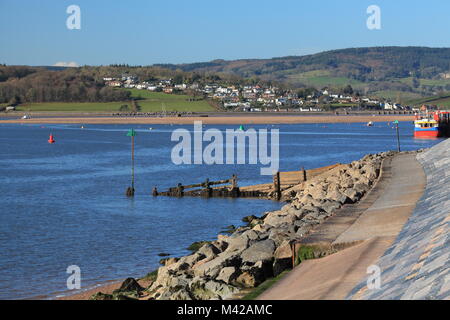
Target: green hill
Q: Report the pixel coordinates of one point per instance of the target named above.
(419, 71)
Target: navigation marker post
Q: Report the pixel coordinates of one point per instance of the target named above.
(398, 135)
(130, 190)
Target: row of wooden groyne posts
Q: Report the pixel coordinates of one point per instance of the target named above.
(228, 188)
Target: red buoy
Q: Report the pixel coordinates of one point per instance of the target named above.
(50, 139)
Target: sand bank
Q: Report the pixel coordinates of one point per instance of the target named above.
(216, 119)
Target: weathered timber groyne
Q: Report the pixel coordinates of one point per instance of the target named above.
(279, 189)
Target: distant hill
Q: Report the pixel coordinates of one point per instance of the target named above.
(411, 71)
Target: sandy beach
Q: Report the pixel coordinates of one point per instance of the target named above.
(234, 119)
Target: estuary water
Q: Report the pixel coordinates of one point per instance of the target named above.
(64, 204)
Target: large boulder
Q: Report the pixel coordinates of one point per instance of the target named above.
(361, 188)
(317, 192)
(283, 258)
(181, 294)
(212, 268)
(208, 250)
(240, 242)
(337, 196)
(370, 172)
(352, 195)
(253, 276)
(163, 278)
(260, 251)
(184, 263)
(285, 232)
(330, 206)
(228, 274)
(130, 284)
(202, 289)
(276, 219)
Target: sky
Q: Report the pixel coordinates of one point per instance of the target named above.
(145, 32)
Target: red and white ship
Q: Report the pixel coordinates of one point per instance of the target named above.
(432, 124)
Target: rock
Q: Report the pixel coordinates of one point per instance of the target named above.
(178, 267)
(276, 220)
(352, 195)
(223, 290)
(163, 254)
(202, 289)
(227, 275)
(238, 243)
(181, 294)
(361, 188)
(212, 268)
(260, 251)
(312, 215)
(370, 172)
(279, 235)
(283, 258)
(363, 180)
(130, 284)
(283, 251)
(178, 282)
(330, 206)
(337, 196)
(101, 296)
(221, 245)
(208, 250)
(346, 182)
(317, 193)
(251, 235)
(197, 245)
(308, 200)
(246, 280)
(168, 261)
(260, 228)
(254, 275)
(249, 219)
(162, 279)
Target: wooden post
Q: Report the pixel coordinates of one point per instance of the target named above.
(130, 190)
(398, 135)
(303, 178)
(235, 192)
(207, 189)
(132, 163)
(233, 181)
(293, 253)
(276, 185)
(180, 190)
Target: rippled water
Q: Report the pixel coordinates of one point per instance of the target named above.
(64, 204)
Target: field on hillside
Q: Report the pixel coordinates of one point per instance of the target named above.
(396, 96)
(442, 101)
(321, 78)
(151, 102)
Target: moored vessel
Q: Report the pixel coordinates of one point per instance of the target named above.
(432, 124)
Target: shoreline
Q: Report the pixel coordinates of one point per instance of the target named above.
(282, 119)
(109, 286)
(247, 236)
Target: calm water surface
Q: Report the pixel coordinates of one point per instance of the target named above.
(64, 204)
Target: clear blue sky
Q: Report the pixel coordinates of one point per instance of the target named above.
(143, 32)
